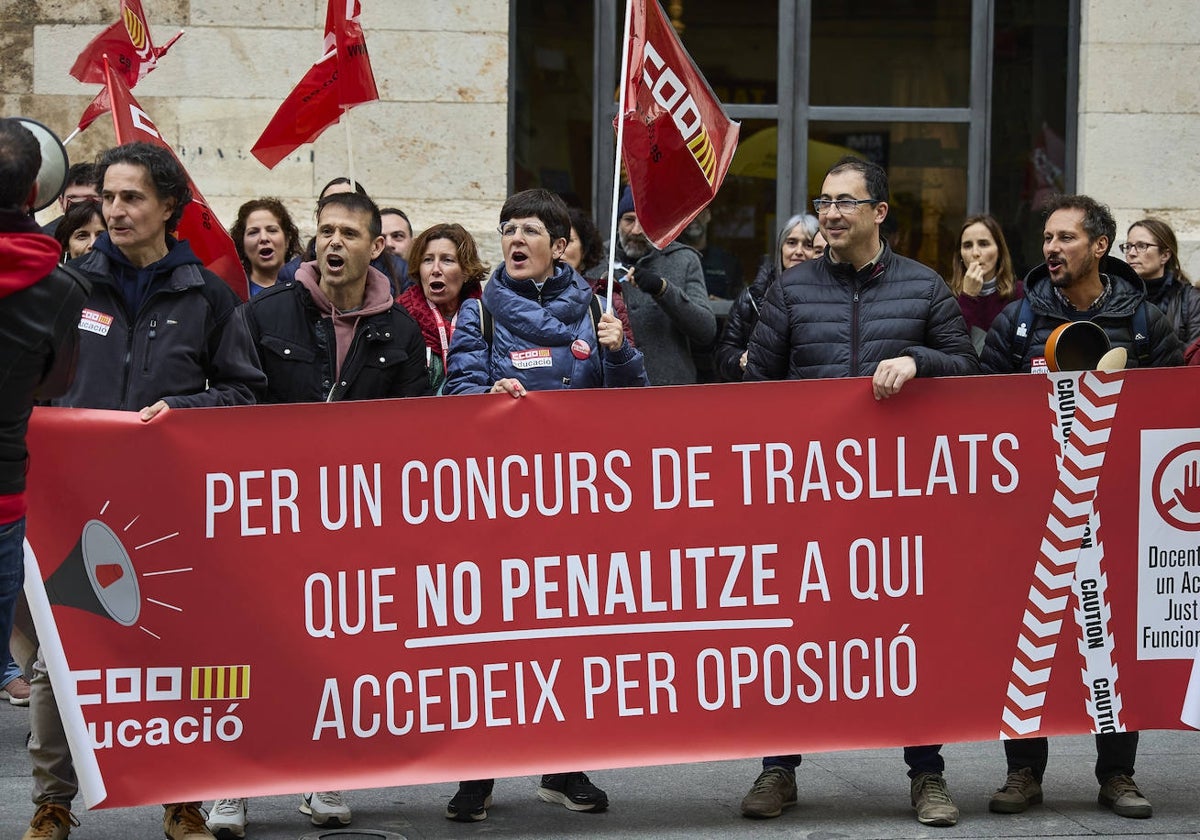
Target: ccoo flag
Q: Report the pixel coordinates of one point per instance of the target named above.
(128, 46)
(199, 225)
(678, 142)
(340, 80)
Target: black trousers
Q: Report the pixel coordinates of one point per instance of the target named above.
(1115, 755)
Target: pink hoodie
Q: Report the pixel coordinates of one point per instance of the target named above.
(377, 297)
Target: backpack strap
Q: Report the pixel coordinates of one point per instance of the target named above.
(1140, 324)
(1022, 333)
(596, 311)
(486, 324)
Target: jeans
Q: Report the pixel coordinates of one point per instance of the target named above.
(926, 759)
(12, 578)
(1115, 754)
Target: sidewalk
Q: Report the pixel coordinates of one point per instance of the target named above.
(862, 794)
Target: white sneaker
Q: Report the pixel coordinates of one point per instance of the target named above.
(325, 807)
(227, 818)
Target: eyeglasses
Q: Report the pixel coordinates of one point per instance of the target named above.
(1136, 247)
(531, 231)
(844, 205)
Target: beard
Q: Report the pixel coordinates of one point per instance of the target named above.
(1068, 278)
(635, 247)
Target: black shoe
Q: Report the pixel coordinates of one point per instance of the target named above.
(471, 802)
(573, 791)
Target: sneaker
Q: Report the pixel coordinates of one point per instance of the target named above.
(1122, 795)
(183, 821)
(932, 800)
(51, 822)
(772, 791)
(325, 807)
(471, 802)
(227, 819)
(574, 791)
(16, 691)
(1019, 791)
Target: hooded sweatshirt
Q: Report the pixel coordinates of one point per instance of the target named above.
(135, 282)
(26, 254)
(26, 257)
(377, 298)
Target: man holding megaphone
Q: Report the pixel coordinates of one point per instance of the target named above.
(39, 309)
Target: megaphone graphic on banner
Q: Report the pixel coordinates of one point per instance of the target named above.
(98, 576)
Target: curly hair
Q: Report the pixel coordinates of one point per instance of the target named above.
(168, 176)
(474, 270)
(292, 247)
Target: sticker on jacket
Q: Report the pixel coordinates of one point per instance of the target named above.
(95, 322)
(538, 357)
(1038, 365)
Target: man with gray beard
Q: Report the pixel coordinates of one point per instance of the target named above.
(667, 299)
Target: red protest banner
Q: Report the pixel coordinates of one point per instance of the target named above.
(678, 143)
(199, 224)
(355, 609)
(340, 80)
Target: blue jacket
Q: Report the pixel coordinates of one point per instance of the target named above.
(532, 337)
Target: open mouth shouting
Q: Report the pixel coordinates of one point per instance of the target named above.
(335, 262)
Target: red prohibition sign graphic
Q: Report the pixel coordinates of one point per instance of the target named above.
(1178, 501)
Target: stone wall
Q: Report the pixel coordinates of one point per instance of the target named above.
(435, 145)
(1139, 114)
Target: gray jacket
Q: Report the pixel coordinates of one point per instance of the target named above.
(668, 326)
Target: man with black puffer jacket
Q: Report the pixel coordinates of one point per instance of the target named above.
(1078, 282)
(860, 310)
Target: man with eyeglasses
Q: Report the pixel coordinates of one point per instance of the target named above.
(860, 310)
(666, 297)
(1079, 281)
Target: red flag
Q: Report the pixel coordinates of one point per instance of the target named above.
(97, 108)
(128, 46)
(199, 225)
(339, 81)
(678, 142)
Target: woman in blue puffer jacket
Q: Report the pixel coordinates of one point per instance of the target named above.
(538, 326)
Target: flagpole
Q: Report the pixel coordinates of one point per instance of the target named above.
(349, 148)
(616, 193)
(70, 136)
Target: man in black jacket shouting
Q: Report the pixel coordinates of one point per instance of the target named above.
(860, 310)
(333, 333)
(1078, 282)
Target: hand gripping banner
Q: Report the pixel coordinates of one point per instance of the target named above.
(335, 605)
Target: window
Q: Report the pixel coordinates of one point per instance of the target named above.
(969, 105)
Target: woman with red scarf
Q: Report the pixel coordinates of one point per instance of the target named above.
(445, 265)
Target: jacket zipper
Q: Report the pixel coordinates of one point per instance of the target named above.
(854, 332)
(150, 336)
(354, 345)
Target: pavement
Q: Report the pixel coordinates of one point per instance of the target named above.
(853, 794)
